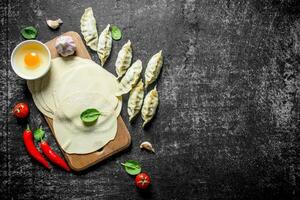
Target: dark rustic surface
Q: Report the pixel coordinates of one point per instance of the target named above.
(228, 121)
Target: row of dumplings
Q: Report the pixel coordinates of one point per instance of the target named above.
(130, 75)
(101, 45)
(131, 82)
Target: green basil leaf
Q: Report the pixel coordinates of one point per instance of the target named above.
(39, 134)
(90, 115)
(132, 167)
(116, 33)
(29, 32)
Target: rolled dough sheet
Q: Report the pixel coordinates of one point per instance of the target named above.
(76, 137)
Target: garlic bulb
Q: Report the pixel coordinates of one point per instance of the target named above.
(148, 146)
(54, 24)
(65, 46)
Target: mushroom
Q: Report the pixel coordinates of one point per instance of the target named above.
(148, 146)
(54, 24)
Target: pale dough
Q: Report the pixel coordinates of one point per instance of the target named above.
(60, 67)
(44, 90)
(76, 137)
(88, 77)
(37, 98)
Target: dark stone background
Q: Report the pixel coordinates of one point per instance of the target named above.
(228, 122)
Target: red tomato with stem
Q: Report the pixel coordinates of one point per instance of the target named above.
(142, 180)
(21, 110)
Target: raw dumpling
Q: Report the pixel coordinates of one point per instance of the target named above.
(149, 106)
(130, 79)
(135, 100)
(153, 68)
(124, 59)
(104, 45)
(89, 29)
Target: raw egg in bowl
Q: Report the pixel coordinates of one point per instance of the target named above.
(31, 59)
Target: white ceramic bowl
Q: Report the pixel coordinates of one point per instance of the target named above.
(33, 76)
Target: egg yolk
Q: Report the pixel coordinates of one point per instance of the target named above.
(32, 59)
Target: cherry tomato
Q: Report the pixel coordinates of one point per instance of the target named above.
(142, 180)
(21, 110)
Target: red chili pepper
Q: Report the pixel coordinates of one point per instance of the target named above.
(53, 157)
(32, 150)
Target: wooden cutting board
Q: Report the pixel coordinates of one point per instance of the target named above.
(79, 162)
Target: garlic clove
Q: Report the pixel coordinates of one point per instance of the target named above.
(148, 146)
(54, 24)
(65, 45)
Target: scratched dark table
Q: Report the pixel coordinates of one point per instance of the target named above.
(227, 126)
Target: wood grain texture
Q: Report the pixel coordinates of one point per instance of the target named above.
(227, 125)
(79, 162)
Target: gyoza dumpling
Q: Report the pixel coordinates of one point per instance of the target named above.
(153, 68)
(149, 106)
(130, 78)
(124, 59)
(104, 45)
(89, 29)
(135, 100)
